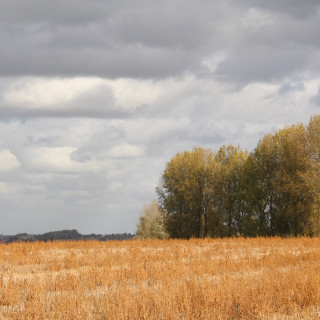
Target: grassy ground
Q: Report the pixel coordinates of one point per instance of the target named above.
(263, 278)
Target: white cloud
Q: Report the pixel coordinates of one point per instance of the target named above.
(57, 97)
(8, 161)
(211, 62)
(256, 18)
(133, 93)
(57, 160)
(43, 93)
(126, 151)
(9, 189)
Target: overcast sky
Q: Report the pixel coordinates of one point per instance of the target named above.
(96, 96)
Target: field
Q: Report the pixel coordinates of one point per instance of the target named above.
(262, 278)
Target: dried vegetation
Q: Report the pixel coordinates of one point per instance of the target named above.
(262, 278)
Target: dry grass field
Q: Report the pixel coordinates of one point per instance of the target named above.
(263, 278)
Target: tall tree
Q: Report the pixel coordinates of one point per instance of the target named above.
(230, 188)
(274, 190)
(262, 167)
(280, 197)
(185, 193)
(312, 175)
(293, 194)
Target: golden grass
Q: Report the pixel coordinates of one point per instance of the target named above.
(263, 278)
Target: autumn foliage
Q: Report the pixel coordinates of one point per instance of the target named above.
(273, 190)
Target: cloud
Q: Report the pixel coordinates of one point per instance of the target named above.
(126, 151)
(8, 161)
(316, 99)
(290, 7)
(109, 40)
(76, 97)
(291, 87)
(252, 64)
(8, 189)
(29, 97)
(56, 160)
(156, 40)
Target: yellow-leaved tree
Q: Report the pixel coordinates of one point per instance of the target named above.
(151, 222)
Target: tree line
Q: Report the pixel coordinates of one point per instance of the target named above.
(273, 190)
(71, 235)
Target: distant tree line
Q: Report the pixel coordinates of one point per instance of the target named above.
(70, 235)
(273, 190)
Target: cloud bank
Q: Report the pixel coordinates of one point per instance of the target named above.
(96, 96)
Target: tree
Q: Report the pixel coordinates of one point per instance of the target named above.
(312, 176)
(294, 203)
(185, 193)
(279, 196)
(262, 173)
(274, 190)
(229, 191)
(151, 222)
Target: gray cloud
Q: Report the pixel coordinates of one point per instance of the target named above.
(144, 40)
(157, 40)
(289, 7)
(316, 99)
(254, 64)
(291, 87)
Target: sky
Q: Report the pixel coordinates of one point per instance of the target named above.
(96, 96)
